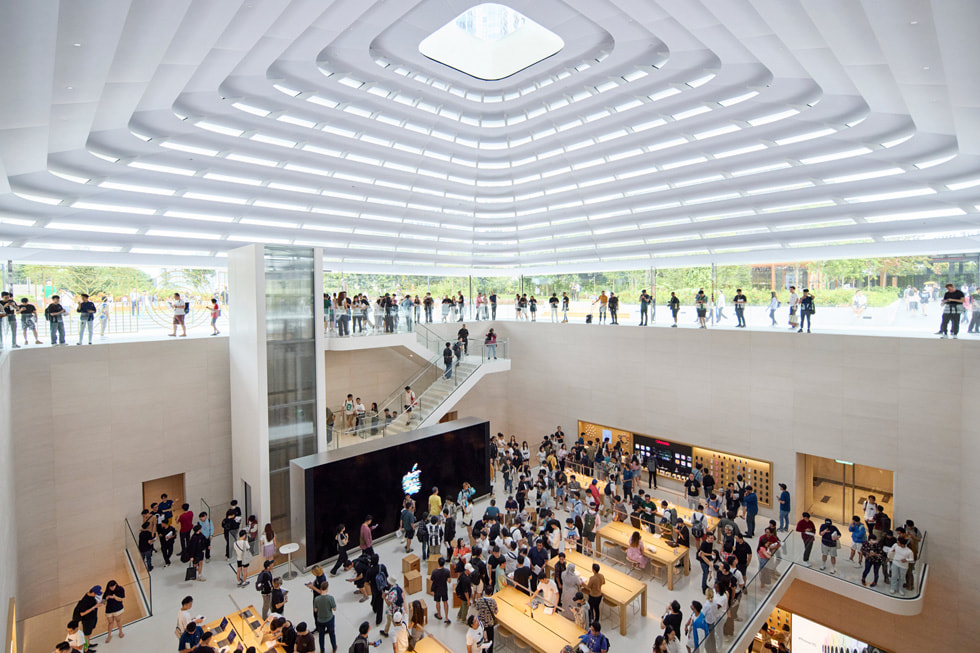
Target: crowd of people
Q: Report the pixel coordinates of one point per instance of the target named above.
(555, 498)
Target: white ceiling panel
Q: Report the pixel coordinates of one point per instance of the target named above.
(664, 133)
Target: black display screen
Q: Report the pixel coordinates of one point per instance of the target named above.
(345, 491)
(672, 457)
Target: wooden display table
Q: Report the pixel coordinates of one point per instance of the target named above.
(619, 589)
(545, 633)
(247, 626)
(430, 644)
(661, 554)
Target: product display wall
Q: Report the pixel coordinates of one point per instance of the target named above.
(374, 478)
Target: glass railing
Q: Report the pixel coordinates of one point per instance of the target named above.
(433, 384)
(730, 626)
(39, 632)
(373, 322)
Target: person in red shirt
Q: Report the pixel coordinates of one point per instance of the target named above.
(367, 540)
(186, 522)
(806, 529)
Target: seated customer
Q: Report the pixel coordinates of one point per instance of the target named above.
(635, 551)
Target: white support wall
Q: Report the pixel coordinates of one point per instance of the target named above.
(249, 380)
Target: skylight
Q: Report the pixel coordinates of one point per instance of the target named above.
(491, 41)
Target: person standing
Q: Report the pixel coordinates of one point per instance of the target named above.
(305, 643)
(870, 512)
(784, 508)
(9, 307)
(794, 302)
(674, 304)
(86, 613)
(440, 589)
(268, 542)
(564, 307)
(806, 529)
(263, 583)
(952, 310)
(807, 308)
(651, 465)
(207, 530)
(493, 304)
(751, 503)
(167, 535)
(974, 314)
(613, 308)
(693, 489)
(486, 611)
(179, 307)
(720, 308)
(146, 539)
(366, 538)
(859, 535)
(243, 556)
(198, 549)
(901, 557)
(28, 319)
(740, 300)
(186, 522)
(86, 309)
(644, 306)
(324, 607)
(593, 588)
(461, 305)
(829, 536)
(701, 305)
(113, 597)
(603, 302)
(553, 301)
(872, 559)
(103, 316)
(491, 343)
(463, 335)
(54, 313)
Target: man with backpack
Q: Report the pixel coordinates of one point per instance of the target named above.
(263, 583)
(378, 577)
(447, 359)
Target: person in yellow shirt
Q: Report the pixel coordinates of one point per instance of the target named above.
(435, 503)
(603, 301)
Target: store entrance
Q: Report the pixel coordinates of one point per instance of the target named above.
(172, 486)
(837, 489)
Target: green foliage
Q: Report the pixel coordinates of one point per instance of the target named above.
(91, 280)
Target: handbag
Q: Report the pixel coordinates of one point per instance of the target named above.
(191, 573)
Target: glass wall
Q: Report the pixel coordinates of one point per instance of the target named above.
(291, 369)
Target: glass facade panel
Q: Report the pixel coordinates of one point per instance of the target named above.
(291, 369)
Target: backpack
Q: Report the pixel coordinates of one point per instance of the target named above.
(360, 639)
(697, 527)
(381, 580)
(262, 583)
(589, 523)
(607, 490)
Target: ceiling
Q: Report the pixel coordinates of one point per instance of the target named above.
(664, 133)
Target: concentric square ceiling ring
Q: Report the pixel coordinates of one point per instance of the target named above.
(763, 138)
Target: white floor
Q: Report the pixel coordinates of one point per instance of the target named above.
(219, 595)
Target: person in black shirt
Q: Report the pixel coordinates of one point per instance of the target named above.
(808, 308)
(522, 575)
(673, 618)
(146, 539)
(86, 613)
(674, 305)
(54, 314)
(493, 304)
(447, 359)
(952, 310)
(87, 312)
(613, 308)
(706, 557)
(464, 590)
(28, 319)
(440, 589)
(8, 307)
(739, 299)
(168, 536)
(463, 335)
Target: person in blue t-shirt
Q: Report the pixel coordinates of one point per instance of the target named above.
(751, 503)
(190, 638)
(595, 640)
(784, 507)
(86, 319)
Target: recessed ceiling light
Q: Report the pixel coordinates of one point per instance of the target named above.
(77, 45)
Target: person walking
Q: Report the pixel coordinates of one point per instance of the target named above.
(773, 305)
(342, 539)
(103, 316)
(553, 301)
(268, 542)
(784, 508)
(28, 319)
(215, 314)
(829, 542)
(179, 307)
(447, 360)
(794, 302)
(593, 588)
(807, 530)
(324, 609)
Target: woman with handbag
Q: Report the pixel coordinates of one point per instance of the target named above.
(243, 557)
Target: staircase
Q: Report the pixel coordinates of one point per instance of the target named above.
(436, 395)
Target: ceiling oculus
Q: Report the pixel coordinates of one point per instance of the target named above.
(491, 41)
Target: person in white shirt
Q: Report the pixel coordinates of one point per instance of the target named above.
(400, 634)
(794, 305)
(178, 304)
(475, 639)
(548, 591)
(359, 411)
(901, 557)
(349, 413)
(409, 402)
